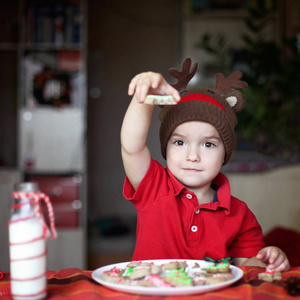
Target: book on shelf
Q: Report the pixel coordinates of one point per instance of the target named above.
(56, 24)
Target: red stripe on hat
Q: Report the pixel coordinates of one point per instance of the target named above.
(201, 97)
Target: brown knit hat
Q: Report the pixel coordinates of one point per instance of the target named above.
(217, 107)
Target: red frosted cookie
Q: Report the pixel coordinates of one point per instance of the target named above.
(155, 280)
(270, 276)
(113, 275)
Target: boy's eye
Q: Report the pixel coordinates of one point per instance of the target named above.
(208, 144)
(179, 143)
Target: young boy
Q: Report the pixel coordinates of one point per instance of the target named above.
(186, 210)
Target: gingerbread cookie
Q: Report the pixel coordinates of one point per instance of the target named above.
(155, 280)
(218, 277)
(178, 277)
(222, 267)
(113, 275)
(270, 276)
(136, 273)
(174, 265)
(137, 270)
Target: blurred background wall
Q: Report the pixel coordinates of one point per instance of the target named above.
(125, 38)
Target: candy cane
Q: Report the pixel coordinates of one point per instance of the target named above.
(37, 197)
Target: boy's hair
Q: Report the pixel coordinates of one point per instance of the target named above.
(217, 106)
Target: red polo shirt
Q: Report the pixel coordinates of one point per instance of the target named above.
(171, 224)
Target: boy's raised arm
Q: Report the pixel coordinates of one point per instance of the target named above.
(135, 153)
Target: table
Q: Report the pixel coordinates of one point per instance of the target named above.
(78, 284)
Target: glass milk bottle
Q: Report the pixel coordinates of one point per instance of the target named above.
(27, 244)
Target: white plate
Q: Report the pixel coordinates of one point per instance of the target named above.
(97, 276)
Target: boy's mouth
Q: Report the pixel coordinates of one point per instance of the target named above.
(191, 170)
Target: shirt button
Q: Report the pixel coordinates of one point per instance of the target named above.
(189, 196)
(197, 211)
(194, 228)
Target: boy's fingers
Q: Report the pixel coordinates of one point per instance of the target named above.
(166, 89)
(148, 82)
(274, 255)
(130, 91)
(281, 264)
(132, 85)
(277, 262)
(262, 254)
(285, 266)
(143, 88)
(173, 92)
(275, 259)
(156, 81)
(282, 267)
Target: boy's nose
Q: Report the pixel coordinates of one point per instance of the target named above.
(193, 155)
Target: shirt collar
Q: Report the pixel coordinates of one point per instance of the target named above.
(223, 192)
(177, 186)
(220, 184)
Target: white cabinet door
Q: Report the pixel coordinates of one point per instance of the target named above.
(51, 140)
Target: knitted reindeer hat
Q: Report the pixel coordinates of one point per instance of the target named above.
(217, 107)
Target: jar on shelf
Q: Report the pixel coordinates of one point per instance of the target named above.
(27, 242)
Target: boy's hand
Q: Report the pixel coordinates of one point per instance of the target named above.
(274, 258)
(151, 83)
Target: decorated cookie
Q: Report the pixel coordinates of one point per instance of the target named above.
(113, 275)
(155, 280)
(196, 266)
(137, 270)
(219, 277)
(160, 100)
(137, 273)
(210, 268)
(155, 269)
(178, 278)
(197, 281)
(270, 276)
(196, 271)
(223, 267)
(218, 266)
(175, 265)
(134, 264)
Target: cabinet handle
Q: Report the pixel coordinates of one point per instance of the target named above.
(77, 204)
(56, 191)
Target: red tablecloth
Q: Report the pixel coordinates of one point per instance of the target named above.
(78, 284)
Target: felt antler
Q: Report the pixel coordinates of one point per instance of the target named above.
(183, 77)
(226, 85)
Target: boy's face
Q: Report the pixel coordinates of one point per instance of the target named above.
(195, 154)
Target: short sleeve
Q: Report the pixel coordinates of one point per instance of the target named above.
(153, 184)
(249, 239)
